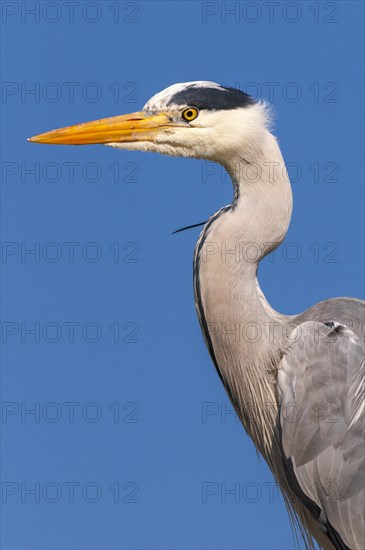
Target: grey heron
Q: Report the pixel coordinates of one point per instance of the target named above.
(299, 388)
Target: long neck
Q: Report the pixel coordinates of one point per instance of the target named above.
(262, 203)
(242, 331)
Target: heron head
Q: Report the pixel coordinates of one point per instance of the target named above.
(194, 119)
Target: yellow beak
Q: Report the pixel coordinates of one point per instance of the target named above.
(124, 128)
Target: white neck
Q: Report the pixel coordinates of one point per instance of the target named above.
(240, 326)
(263, 194)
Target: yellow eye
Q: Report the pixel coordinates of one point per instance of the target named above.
(190, 114)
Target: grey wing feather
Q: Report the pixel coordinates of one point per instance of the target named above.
(321, 395)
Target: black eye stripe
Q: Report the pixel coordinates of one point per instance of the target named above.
(212, 98)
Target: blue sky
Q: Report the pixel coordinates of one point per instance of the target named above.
(131, 443)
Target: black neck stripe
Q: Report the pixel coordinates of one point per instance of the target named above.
(199, 302)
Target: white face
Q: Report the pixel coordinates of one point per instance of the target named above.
(213, 134)
(194, 119)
